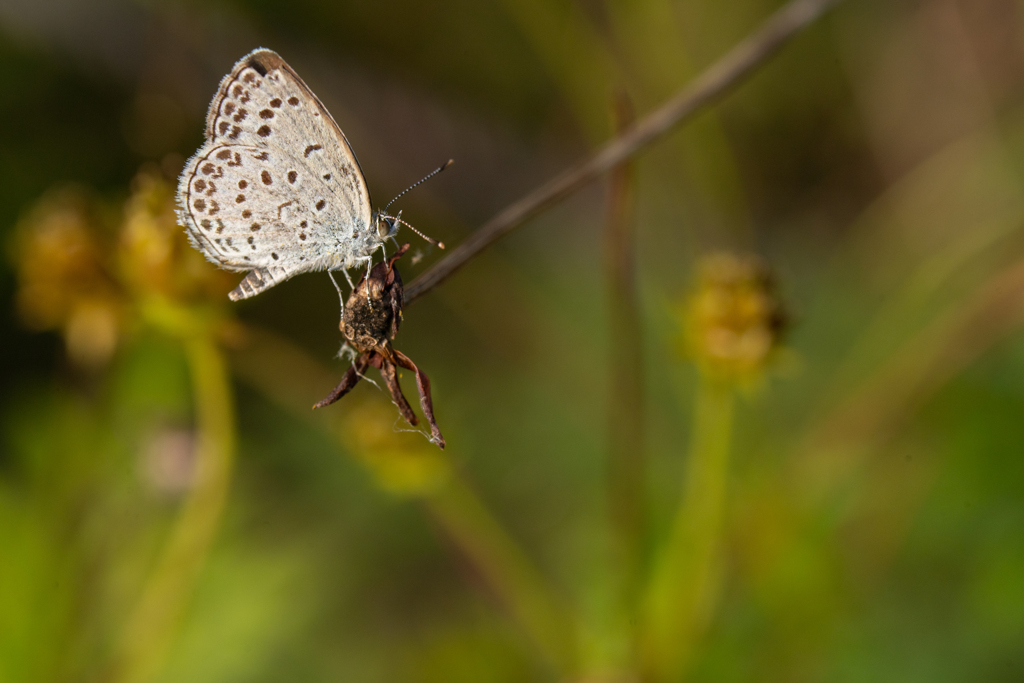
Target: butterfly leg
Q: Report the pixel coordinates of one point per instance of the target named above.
(341, 297)
(369, 266)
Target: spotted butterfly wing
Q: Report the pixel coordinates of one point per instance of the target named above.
(276, 189)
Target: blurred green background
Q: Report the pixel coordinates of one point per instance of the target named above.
(639, 486)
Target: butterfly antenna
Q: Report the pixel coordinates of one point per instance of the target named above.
(420, 181)
(437, 244)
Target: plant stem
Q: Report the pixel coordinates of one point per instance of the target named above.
(154, 622)
(684, 586)
(625, 406)
(505, 568)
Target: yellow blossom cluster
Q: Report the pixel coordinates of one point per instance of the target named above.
(733, 318)
(83, 268)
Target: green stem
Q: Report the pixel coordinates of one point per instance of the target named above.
(683, 589)
(154, 622)
(507, 571)
(626, 406)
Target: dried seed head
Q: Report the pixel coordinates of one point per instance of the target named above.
(369, 323)
(374, 309)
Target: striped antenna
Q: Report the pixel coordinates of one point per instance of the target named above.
(429, 239)
(421, 180)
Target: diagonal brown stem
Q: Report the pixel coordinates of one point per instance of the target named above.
(709, 86)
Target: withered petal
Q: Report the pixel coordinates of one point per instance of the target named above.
(387, 371)
(426, 403)
(349, 380)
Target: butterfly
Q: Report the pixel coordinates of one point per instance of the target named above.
(276, 189)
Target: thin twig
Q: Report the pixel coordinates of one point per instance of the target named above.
(710, 85)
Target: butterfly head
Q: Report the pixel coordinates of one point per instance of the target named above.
(385, 225)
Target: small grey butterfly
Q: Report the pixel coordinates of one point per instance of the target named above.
(276, 189)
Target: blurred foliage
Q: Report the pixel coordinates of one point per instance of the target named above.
(171, 509)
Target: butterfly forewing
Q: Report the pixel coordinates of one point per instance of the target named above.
(276, 188)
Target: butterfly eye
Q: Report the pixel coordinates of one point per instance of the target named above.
(386, 227)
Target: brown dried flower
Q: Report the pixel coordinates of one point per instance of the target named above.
(369, 322)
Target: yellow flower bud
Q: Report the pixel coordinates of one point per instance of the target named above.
(733, 319)
(81, 272)
(153, 252)
(63, 280)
